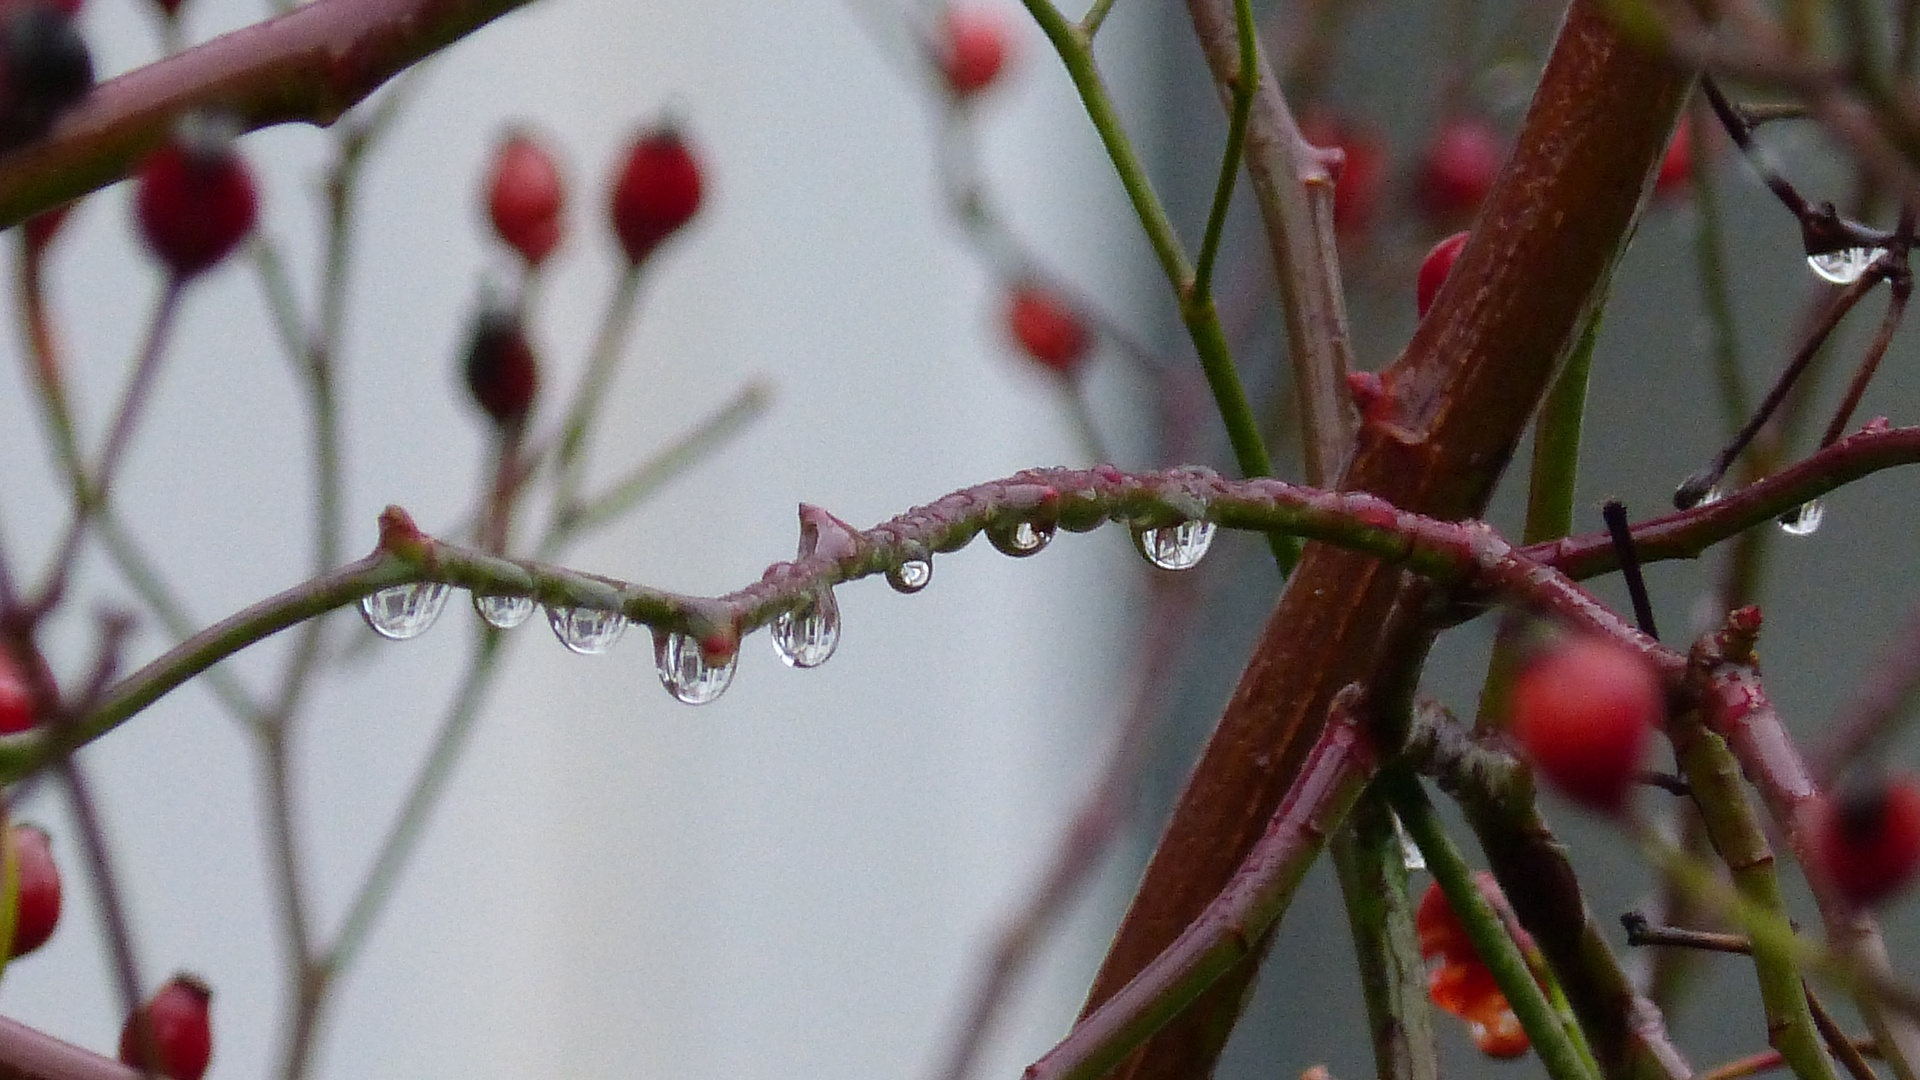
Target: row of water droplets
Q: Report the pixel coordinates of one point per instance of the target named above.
(403, 612)
(804, 637)
(1802, 520)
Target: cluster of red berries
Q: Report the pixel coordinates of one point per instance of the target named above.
(1458, 981)
(655, 193)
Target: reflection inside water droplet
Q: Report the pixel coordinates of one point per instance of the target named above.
(1023, 538)
(806, 638)
(405, 611)
(1845, 266)
(1803, 520)
(910, 576)
(1175, 547)
(685, 672)
(503, 612)
(586, 631)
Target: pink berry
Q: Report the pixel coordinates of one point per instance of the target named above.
(1866, 838)
(1458, 169)
(1360, 181)
(37, 911)
(178, 1037)
(1435, 268)
(1047, 329)
(16, 704)
(525, 197)
(196, 199)
(657, 192)
(972, 48)
(1584, 713)
(501, 370)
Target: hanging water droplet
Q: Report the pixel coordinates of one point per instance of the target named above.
(684, 670)
(1023, 539)
(1175, 547)
(502, 612)
(586, 631)
(1803, 520)
(1409, 851)
(910, 576)
(405, 611)
(1845, 266)
(806, 638)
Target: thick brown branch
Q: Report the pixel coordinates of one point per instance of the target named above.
(1454, 408)
(309, 65)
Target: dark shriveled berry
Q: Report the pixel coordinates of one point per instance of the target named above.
(44, 68)
(196, 198)
(177, 1040)
(502, 373)
(657, 192)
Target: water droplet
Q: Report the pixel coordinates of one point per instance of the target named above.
(586, 631)
(806, 638)
(1023, 539)
(1713, 495)
(1175, 547)
(1845, 266)
(1409, 851)
(684, 671)
(1803, 520)
(405, 611)
(910, 576)
(502, 612)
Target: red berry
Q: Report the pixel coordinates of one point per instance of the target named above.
(178, 1041)
(1584, 713)
(1047, 329)
(525, 197)
(1866, 838)
(196, 199)
(1361, 179)
(16, 704)
(1435, 268)
(1458, 981)
(38, 909)
(972, 48)
(657, 192)
(41, 228)
(501, 370)
(1459, 168)
(1676, 169)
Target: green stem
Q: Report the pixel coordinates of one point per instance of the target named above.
(602, 361)
(1393, 977)
(1495, 947)
(1245, 82)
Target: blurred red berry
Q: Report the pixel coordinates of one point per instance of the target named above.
(196, 199)
(501, 370)
(657, 192)
(41, 228)
(179, 1029)
(16, 703)
(1866, 838)
(525, 196)
(1676, 169)
(38, 910)
(1458, 169)
(972, 48)
(1435, 268)
(1047, 329)
(1584, 712)
(1360, 181)
(1458, 981)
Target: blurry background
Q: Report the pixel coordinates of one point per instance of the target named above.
(801, 878)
